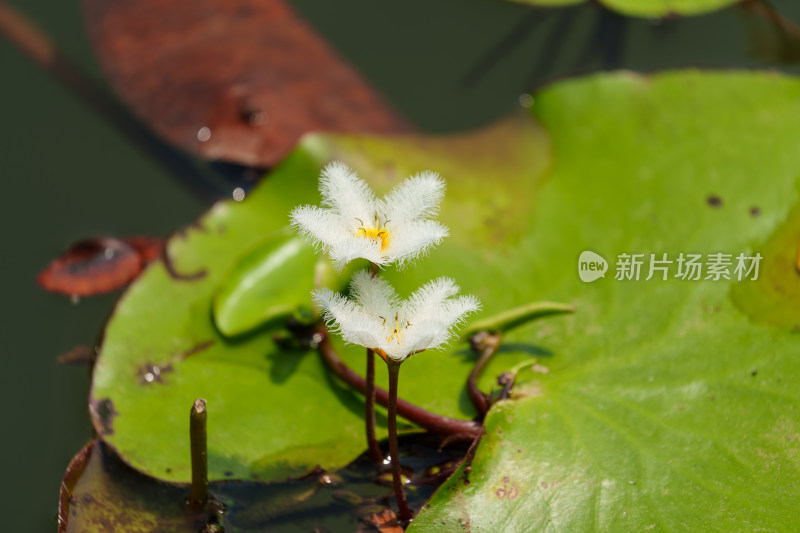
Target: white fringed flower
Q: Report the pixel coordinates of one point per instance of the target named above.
(352, 223)
(377, 319)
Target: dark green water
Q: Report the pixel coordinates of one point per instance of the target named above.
(67, 174)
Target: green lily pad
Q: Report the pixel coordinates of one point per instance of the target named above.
(645, 8)
(670, 405)
(659, 404)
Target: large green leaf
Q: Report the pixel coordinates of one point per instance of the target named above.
(670, 405)
(659, 404)
(645, 8)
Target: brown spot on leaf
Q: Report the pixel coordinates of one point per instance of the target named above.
(755, 212)
(103, 413)
(197, 348)
(150, 373)
(714, 201)
(510, 492)
(232, 80)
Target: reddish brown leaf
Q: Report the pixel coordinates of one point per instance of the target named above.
(98, 265)
(149, 247)
(234, 80)
(68, 483)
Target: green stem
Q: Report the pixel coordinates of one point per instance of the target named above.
(197, 434)
(404, 512)
(369, 395)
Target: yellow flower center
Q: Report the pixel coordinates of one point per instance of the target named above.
(377, 232)
(396, 333)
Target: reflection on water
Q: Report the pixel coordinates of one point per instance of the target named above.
(101, 491)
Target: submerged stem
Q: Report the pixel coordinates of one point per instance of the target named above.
(369, 397)
(197, 434)
(404, 512)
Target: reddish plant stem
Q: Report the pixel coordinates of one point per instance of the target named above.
(486, 344)
(456, 430)
(404, 513)
(369, 396)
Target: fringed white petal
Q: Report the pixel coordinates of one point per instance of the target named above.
(347, 318)
(454, 311)
(374, 294)
(352, 218)
(345, 250)
(363, 332)
(425, 302)
(434, 315)
(413, 239)
(416, 198)
(425, 321)
(347, 195)
(320, 226)
(420, 336)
